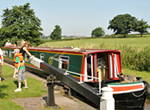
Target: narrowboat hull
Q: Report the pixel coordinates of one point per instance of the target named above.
(130, 101)
(129, 96)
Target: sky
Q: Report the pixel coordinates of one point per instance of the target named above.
(80, 17)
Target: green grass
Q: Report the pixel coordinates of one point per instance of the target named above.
(106, 43)
(7, 71)
(143, 74)
(8, 86)
(9, 105)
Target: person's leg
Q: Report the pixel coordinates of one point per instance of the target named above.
(19, 84)
(19, 87)
(19, 81)
(24, 78)
(25, 82)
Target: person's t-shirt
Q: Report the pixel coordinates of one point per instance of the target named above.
(7, 44)
(1, 53)
(22, 51)
(17, 60)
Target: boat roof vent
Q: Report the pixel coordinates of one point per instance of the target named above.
(76, 49)
(71, 47)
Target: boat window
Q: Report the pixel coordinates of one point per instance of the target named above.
(5, 53)
(89, 68)
(27, 57)
(115, 66)
(42, 56)
(10, 53)
(63, 62)
(111, 66)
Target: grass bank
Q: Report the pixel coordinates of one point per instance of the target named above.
(8, 86)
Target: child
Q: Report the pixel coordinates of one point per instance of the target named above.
(19, 69)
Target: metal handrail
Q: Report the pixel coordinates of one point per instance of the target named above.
(86, 76)
(82, 75)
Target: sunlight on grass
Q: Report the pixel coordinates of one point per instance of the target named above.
(110, 43)
(9, 105)
(7, 71)
(8, 86)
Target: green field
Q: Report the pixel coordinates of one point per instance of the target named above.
(105, 43)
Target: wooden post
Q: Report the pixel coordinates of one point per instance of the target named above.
(51, 99)
(51, 81)
(50, 85)
(107, 101)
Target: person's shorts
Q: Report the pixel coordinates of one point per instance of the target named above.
(21, 75)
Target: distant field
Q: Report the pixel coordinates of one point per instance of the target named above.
(105, 43)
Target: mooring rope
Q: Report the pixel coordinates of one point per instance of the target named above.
(139, 95)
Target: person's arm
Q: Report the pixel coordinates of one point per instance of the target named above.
(2, 60)
(17, 69)
(15, 72)
(25, 49)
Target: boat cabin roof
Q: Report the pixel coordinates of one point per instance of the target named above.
(67, 49)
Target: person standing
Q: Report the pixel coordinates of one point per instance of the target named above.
(24, 49)
(19, 69)
(1, 63)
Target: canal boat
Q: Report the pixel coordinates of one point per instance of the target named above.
(95, 67)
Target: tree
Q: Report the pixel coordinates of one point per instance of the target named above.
(141, 26)
(98, 32)
(19, 23)
(122, 24)
(56, 34)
